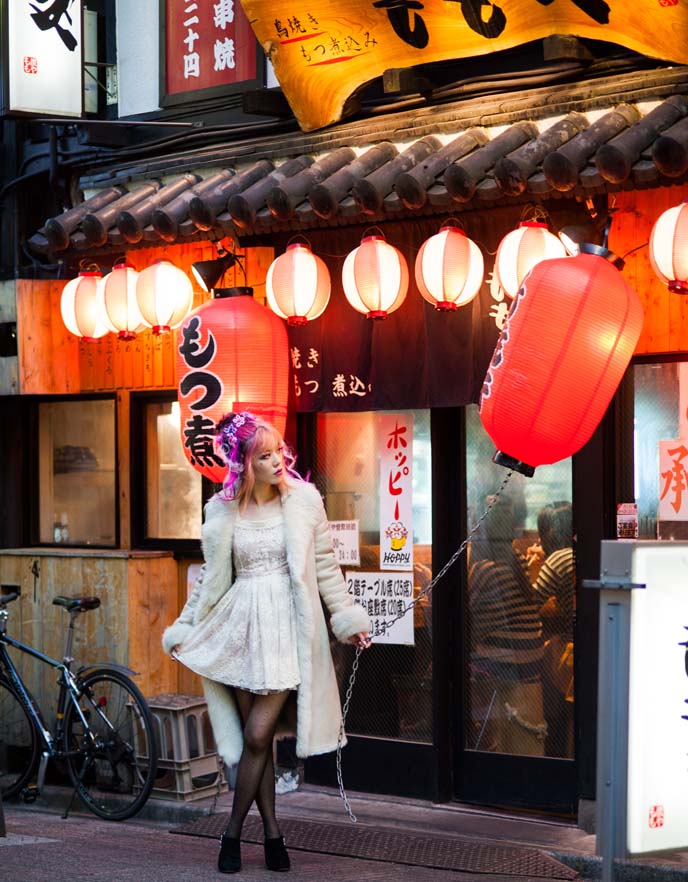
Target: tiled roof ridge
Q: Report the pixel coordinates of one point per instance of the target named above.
(546, 102)
(621, 145)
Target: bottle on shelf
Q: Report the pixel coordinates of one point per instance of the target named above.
(64, 527)
(57, 529)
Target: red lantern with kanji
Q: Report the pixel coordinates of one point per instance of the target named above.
(232, 355)
(669, 248)
(568, 339)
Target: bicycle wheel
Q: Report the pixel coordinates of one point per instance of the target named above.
(112, 759)
(19, 742)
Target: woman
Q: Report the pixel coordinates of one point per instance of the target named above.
(254, 627)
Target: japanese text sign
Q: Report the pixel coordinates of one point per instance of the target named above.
(207, 43)
(345, 542)
(384, 596)
(658, 689)
(396, 495)
(673, 480)
(323, 51)
(44, 57)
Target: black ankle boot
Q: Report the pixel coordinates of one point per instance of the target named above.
(229, 859)
(276, 854)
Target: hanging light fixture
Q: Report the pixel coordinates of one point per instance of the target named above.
(117, 306)
(550, 382)
(209, 272)
(375, 277)
(232, 355)
(79, 308)
(298, 285)
(164, 295)
(449, 269)
(521, 249)
(669, 248)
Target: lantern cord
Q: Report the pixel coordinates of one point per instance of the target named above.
(637, 248)
(386, 625)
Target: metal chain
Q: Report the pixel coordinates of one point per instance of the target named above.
(388, 624)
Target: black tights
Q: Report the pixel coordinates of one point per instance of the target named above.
(256, 772)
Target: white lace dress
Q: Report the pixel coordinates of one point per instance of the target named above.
(249, 639)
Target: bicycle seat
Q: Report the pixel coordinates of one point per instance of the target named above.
(80, 603)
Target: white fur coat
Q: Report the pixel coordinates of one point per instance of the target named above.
(314, 574)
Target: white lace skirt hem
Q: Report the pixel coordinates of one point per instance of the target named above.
(250, 639)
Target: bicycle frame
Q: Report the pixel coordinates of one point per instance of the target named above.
(68, 682)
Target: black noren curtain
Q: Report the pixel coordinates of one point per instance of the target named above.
(418, 357)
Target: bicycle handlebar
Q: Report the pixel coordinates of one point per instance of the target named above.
(8, 598)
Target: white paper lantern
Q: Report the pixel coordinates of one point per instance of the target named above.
(164, 295)
(669, 248)
(79, 307)
(298, 285)
(520, 250)
(449, 269)
(117, 305)
(375, 278)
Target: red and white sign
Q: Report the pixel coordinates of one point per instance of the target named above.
(207, 43)
(656, 817)
(657, 783)
(673, 480)
(44, 58)
(396, 494)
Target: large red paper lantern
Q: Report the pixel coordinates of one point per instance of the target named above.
(164, 295)
(232, 355)
(449, 269)
(669, 248)
(375, 277)
(298, 285)
(521, 250)
(79, 308)
(568, 339)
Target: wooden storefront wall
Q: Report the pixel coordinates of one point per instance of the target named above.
(143, 592)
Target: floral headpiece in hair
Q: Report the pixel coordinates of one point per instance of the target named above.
(228, 440)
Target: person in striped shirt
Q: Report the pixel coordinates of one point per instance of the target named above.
(555, 586)
(505, 637)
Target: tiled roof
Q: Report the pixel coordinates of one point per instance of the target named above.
(441, 170)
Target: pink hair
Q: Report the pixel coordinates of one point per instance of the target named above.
(240, 437)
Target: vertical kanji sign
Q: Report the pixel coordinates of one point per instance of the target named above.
(44, 60)
(673, 480)
(208, 44)
(396, 496)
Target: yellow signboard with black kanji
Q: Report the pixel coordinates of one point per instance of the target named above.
(322, 50)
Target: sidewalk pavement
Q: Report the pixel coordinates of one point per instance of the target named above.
(42, 847)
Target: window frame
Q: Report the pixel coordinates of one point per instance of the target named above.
(34, 470)
(137, 469)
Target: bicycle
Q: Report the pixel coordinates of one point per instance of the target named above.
(104, 730)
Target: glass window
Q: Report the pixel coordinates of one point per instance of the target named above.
(173, 486)
(520, 606)
(77, 487)
(657, 395)
(392, 698)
